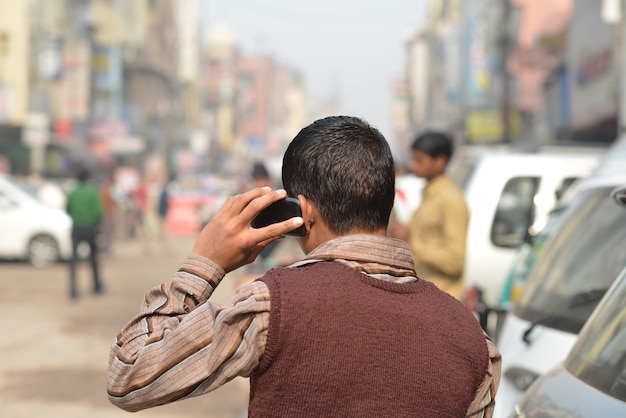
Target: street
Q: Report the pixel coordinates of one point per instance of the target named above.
(54, 351)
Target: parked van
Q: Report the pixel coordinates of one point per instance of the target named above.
(31, 230)
(510, 194)
(591, 381)
(613, 161)
(580, 260)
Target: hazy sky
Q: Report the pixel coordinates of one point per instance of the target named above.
(351, 48)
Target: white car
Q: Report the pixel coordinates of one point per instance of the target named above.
(29, 229)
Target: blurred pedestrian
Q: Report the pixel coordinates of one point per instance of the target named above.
(348, 331)
(260, 176)
(85, 207)
(153, 205)
(110, 205)
(136, 204)
(437, 231)
(164, 203)
(163, 209)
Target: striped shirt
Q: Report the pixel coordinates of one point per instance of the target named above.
(182, 344)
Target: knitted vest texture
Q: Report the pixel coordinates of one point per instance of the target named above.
(344, 344)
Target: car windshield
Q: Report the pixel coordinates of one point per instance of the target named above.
(580, 261)
(528, 253)
(26, 188)
(599, 356)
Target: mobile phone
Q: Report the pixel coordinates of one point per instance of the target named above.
(279, 211)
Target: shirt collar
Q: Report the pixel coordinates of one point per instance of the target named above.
(383, 257)
(437, 184)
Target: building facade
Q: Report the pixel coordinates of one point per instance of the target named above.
(515, 71)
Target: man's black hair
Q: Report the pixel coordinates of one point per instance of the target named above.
(82, 174)
(434, 143)
(345, 167)
(259, 171)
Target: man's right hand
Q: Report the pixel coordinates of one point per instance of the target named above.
(230, 241)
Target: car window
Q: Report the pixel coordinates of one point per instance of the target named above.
(579, 262)
(599, 355)
(29, 190)
(12, 193)
(515, 212)
(527, 255)
(11, 185)
(565, 184)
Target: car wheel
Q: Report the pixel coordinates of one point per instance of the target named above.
(42, 251)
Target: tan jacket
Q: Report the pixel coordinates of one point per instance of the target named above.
(438, 233)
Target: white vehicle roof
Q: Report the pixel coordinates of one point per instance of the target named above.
(611, 169)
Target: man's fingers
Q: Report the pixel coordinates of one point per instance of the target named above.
(278, 230)
(239, 202)
(256, 205)
(234, 206)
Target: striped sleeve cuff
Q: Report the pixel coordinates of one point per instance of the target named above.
(203, 268)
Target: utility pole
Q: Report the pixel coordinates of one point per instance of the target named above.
(613, 13)
(4, 91)
(505, 47)
(36, 130)
(621, 49)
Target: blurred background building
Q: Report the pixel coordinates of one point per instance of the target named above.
(140, 87)
(516, 71)
(118, 84)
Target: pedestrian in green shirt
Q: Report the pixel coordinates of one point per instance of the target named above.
(84, 205)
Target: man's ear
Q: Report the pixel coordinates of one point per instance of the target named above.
(441, 162)
(309, 211)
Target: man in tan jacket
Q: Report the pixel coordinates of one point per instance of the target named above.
(437, 231)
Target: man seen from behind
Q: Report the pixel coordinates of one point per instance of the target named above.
(349, 330)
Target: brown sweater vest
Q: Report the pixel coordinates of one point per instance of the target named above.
(343, 344)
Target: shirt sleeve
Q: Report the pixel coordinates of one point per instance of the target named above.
(484, 402)
(182, 344)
